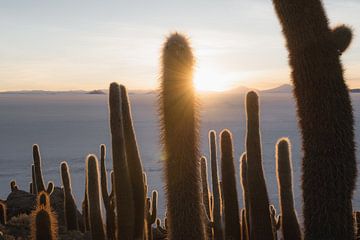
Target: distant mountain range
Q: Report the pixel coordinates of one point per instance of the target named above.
(285, 88)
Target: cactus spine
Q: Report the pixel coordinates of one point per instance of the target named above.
(217, 205)
(38, 173)
(69, 202)
(43, 224)
(134, 165)
(179, 127)
(110, 225)
(260, 222)
(325, 118)
(289, 224)
(96, 223)
(2, 213)
(246, 202)
(123, 189)
(231, 207)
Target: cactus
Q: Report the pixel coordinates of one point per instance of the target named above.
(325, 118)
(38, 173)
(231, 207)
(151, 206)
(275, 221)
(205, 187)
(110, 225)
(356, 217)
(13, 186)
(342, 36)
(217, 205)
(69, 202)
(246, 202)
(244, 225)
(43, 224)
(85, 208)
(31, 188)
(43, 199)
(134, 165)
(33, 177)
(289, 224)
(3, 215)
(123, 189)
(260, 222)
(50, 187)
(93, 193)
(179, 131)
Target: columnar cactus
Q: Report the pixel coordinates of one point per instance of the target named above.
(33, 177)
(179, 130)
(43, 224)
(289, 224)
(110, 224)
(43, 199)
(13, 186)
(40, 186)
(244, 226)
(232, 219)
(260, 222)
(205, 186)
(70, 209)
(85, 208)
(151, 208)
(325, 118)
(50, 187)
(217, 206)
(275, 221)
(245, 191)
(3, 213)
(93, 193)
(123, 188)
(134, 165)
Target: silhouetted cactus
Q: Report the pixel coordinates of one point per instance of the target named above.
(179, 130)
(356, 217)
(110, 225)
(325, 117)
(50, 187)
(123, 188)
(13, 186)
(244, 226)
(33, 177)
(93, 193)
(275, 221)
(260, 222)
(217, 206)
(151, 206)
(38, 173)
(43, 224)
(231, 207)
(43, 199)
(342, 36)
(205, 186)
(289, 224)
(243, 176)
(70, 209)
(3, 215)
(85, 207)
(31, 188)
(134, 165)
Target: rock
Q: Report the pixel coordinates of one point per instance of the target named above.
(19, 202)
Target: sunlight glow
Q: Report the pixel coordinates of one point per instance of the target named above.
(206, 79)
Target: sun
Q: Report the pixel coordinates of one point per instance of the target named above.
(206, 79)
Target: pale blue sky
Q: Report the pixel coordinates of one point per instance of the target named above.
(62, 45)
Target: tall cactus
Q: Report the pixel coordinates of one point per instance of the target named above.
(244, 225)
(123, 188)
(325, 119)
(70, 209)
(33, 177)
(179, 130)
(3, 215)
(151, 206)
(232, 219)
(85, 207)
(93, 193)
(110, 224)
(260, 222)
(217, 206)
(134, 165)
(205, 186)
(40, 186)
(289, 224)
(43, 224)
(246, 202)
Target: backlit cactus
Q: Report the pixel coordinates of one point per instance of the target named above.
(289, 224)
(40, 186)
(123, 188)
(151, 208)
(93, 193)
(231, 206)
(43, 224)
(179, 131)
(325, 118)
(70, 209)
(246, 201)
(260, 223)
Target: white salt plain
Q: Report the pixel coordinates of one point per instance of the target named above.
(70, 126)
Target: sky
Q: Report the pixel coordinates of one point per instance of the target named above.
(86, 44)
